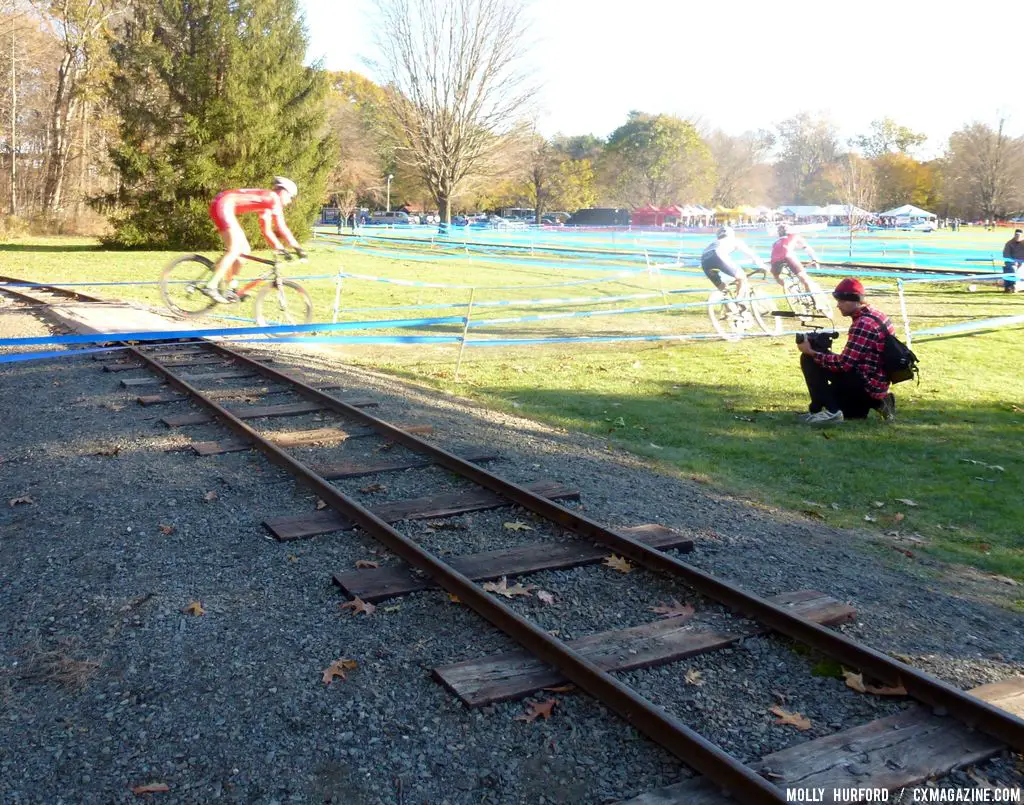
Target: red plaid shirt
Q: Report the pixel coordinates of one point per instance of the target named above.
(863, 351)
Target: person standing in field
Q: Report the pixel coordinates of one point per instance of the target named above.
(1013, 261)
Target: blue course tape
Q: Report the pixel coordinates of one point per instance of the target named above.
(17, 357)
(968, 326)
(289, 329)
(62, 284)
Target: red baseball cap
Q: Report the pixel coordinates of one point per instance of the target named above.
(849, 290)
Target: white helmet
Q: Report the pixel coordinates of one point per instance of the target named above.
(287, 185)
(726, 232)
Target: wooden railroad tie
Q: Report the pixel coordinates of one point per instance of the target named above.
(154, 380)
(174, 396)
(298, 438)
(258, 411)
(379, 584)
(446, 505)
(186, 364)
(332, 472)
(514, 674)
(891, 753)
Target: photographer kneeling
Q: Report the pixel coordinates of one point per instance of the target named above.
(852, 383)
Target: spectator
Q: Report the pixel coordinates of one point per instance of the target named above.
(1013, 261)
(854, 382)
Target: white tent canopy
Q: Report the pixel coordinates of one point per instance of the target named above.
(907, 211)
(844, 211)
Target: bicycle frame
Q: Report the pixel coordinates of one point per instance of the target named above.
(244, 290)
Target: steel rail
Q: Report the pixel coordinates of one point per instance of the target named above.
(689, 746)
(943, 697)
(28, 284)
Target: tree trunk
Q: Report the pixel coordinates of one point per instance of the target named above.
(57, 147)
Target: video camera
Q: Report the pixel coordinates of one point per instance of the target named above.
(820, 340)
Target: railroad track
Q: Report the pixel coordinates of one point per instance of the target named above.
(950, 727)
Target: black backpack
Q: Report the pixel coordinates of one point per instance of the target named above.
(898, 360)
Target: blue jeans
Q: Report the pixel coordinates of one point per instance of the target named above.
(1012, 267)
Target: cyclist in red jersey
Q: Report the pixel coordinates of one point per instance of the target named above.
(784, 253)
(269, 204)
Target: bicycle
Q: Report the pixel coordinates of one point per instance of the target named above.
(733, 314)
(278, 301)
(804, 305)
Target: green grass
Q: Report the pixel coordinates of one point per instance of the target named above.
(721, 413)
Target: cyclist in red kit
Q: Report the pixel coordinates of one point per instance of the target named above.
(269, 204)
(784, 253)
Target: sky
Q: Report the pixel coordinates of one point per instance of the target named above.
(745, 65)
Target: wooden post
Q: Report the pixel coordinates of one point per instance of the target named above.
(465, 331)
(903, 310)
(337, 295)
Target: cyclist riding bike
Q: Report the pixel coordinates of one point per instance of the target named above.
(784, 254)
(716, 260)
(225, 209)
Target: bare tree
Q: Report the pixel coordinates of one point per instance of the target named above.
(736, 161)
(984, 168)
(457, 88)
(857, 191)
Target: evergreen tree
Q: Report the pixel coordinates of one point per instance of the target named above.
(212, 94)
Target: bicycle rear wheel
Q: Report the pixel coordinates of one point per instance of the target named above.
(764, 304)
(285, 302)
(180, 285)
(728, 318)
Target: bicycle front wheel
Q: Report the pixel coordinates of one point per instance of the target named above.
(285, 302)
(180, 285)
(764, 305)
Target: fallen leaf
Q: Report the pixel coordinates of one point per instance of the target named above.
(107, 451)
(618, 563)
(151, 788)
(393, 608)
(538, 710)
(320, 504)
(454, 598)
(358, 605)
(502, 588)
(797, 720)
(899, 517)
(366, 563)
(906, 501)
(166, 530)
(835, 506)
(373, 488)
(518, 526)
(869, 518)
(561, 689)
(194, 608)
(210, 496)
(25, 500)
(855, 681)
(877, 504)
(338, 668)
(545, 597)
(676, 610)
(292, 558)
(694, 677)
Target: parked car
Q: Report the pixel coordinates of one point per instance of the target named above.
(555, 218)
(599, 216)
(393, 217)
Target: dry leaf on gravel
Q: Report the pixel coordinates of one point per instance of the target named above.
(797, 720)
(210, 496)
(151, 788)
(545, 597)
(538, 710)
(373, 488)
(338, 668)
(366, 563)
(320, 504)
(194, 608)
(24, 500)
(694, 677)
(166, 530)
(675, 610)
(108, 451)
(855, 682)
(502, 588)
(358, 605)
(454, 598)
(518, 526)
(618, 563)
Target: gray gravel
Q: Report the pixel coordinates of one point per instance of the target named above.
(107, 684)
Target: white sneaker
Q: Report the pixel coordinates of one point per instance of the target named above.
(824, 417)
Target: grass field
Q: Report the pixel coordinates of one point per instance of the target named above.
(722, 413)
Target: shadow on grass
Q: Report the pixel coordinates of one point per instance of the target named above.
(51, 248)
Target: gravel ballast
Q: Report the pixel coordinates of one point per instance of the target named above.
(108, 683)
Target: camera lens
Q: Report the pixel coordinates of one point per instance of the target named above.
(799, 338)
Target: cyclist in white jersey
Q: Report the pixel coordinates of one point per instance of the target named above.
(716, 260)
